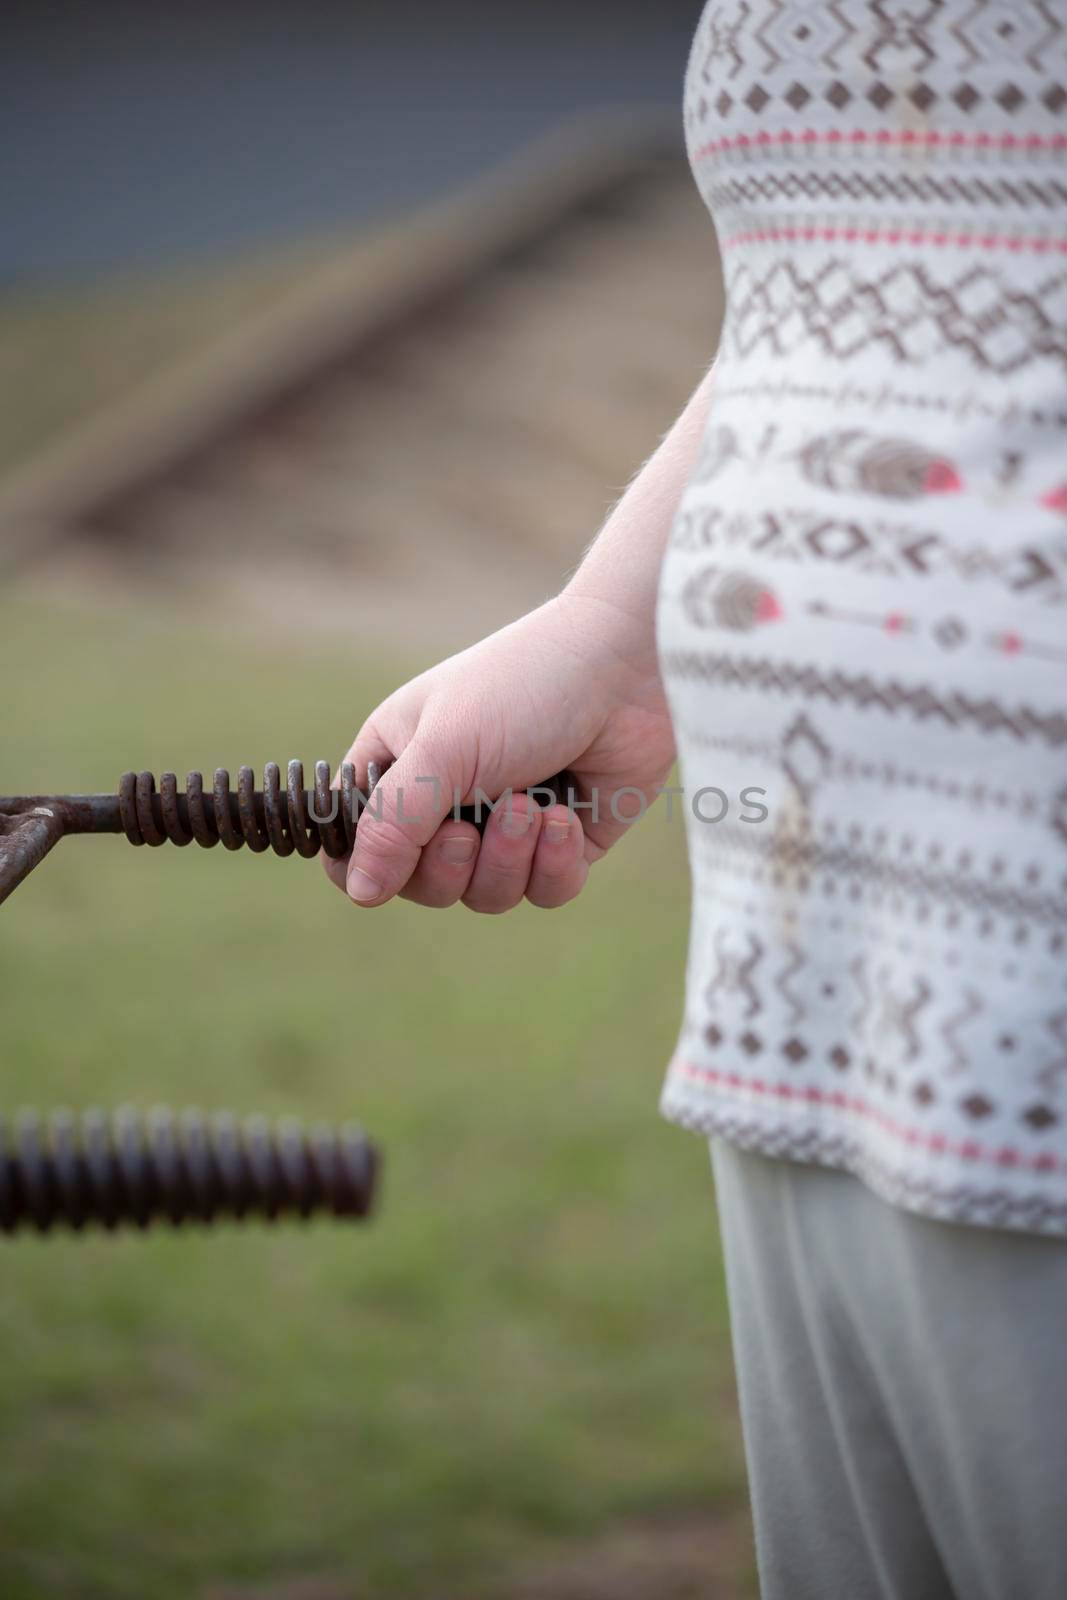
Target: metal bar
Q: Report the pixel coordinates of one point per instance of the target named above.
(283, 816)
(81, 813)
(121, 1169)
(25, 840)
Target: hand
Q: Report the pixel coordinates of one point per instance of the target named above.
(572, 685)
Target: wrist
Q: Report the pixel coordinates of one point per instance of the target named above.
(616, 635)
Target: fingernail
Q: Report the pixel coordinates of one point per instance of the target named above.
(458, 851)
(557, 832)
(513, 824)
(361, 886)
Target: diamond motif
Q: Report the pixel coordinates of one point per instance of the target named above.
(838, 95)
(880, 95)
(797, 96)
(845, 309)
(794, 1050)
(713, 1034)
(1054, 97)
(950, 632)
(840, 1057)
(751, 1043)
(1010, 98)
(1040, 1117)
(977, 1106)
(966, 97)
(837, 541)
(805, 755)
(922, 97)
(923, 1093)
(1059, 814)
(991, 25)
(756, 98)
(723, 104)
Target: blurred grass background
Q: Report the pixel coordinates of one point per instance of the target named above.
(529, 1343)
(516, 1381)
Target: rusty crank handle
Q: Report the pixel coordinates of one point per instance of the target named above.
(287, 820)
(125, 1170)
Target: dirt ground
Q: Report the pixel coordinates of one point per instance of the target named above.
(448, 481)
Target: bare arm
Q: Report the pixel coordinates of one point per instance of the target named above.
(621, 566)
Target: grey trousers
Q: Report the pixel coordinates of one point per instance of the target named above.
(903, 1390)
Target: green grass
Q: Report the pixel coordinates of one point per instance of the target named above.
(528, 1344)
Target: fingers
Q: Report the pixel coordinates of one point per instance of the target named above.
(559, 866)
(367, 747)
(409, 803)
(506, 857)
(445, 867)
(524, 853)
(408, 844)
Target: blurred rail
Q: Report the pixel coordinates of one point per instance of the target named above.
(465, 391)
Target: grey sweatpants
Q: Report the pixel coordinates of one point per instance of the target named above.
(903, 1392)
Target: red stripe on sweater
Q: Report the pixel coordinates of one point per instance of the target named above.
(887, 136)
(939, 1144)
(852, 235)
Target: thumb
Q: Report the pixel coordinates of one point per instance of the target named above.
(408, 804)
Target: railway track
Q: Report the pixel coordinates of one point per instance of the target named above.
(455, 456)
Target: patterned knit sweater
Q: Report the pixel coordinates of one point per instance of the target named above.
(862, 607)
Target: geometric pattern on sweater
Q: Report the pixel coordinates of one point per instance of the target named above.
(861, 603)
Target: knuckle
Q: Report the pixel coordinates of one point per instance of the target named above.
(554, 872)
(383, 839)
(500, 866)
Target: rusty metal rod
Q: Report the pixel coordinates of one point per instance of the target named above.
(125, 1170)
(286, 819)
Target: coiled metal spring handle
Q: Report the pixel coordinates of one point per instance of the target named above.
(273, 818)
(178, 1169)
(287, 819)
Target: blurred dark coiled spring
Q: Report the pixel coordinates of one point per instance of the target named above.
(280, 819)
(189, 1168)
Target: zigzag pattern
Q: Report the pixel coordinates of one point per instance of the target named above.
(1050, 1076)
(899, 1014)
(972, 1007)
(885, 549)
(922, 52)
(782, 980)
(878, 187)
(904, 311)
(954, 709)
(802, 857)
(734, 973)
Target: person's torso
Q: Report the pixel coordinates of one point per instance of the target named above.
(862, 607)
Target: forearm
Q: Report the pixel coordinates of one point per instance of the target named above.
(621, 567)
